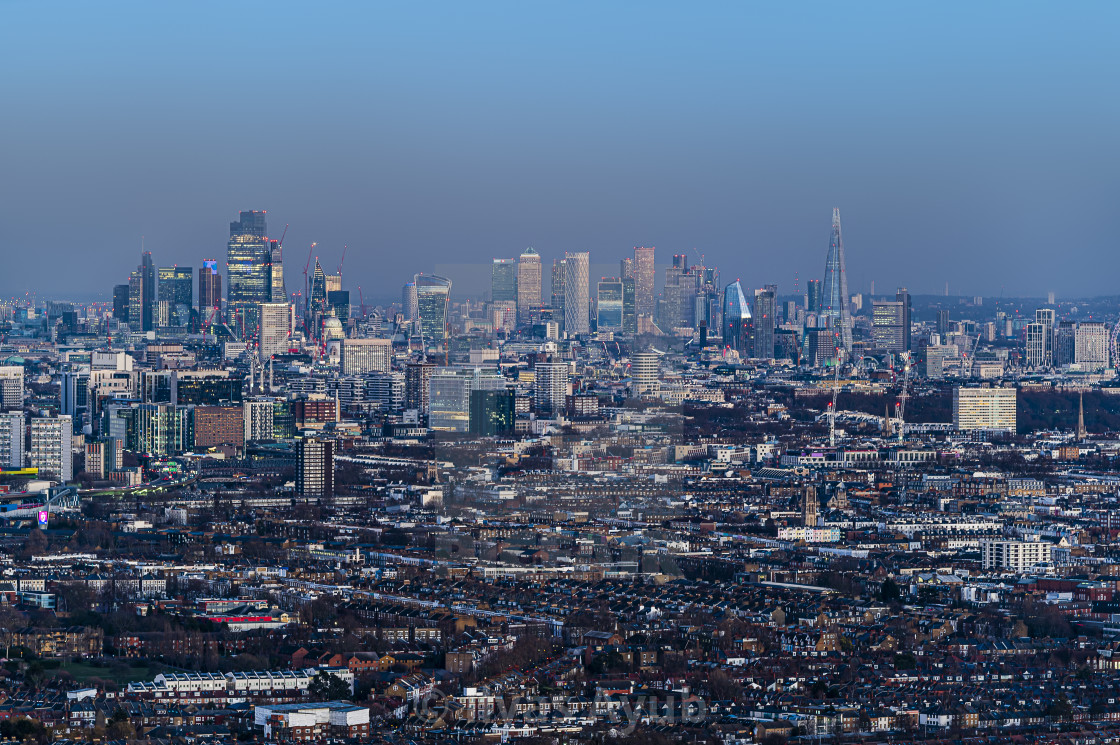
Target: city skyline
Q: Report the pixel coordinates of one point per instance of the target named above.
(934, 143)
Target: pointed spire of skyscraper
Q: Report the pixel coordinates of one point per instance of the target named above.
(834, 304)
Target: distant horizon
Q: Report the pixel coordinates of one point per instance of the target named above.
(972, 144)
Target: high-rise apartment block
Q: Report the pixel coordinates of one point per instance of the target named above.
(11, 387)
(51, 443)
(315, 468)
(550, 387)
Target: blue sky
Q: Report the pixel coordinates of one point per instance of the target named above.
(974, 143)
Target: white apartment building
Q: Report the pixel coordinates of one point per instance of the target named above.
(1012, 555)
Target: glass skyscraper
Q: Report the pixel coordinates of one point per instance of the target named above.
(248, 271)
(834, 303)
(176, 288)
(609, 304)
(432, 294)
(503, 281)
(736, 319)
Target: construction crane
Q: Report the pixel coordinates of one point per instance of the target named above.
(972, 353)
(362, 302)
(280, 243)
(832, 406)
(341, 260)
(901, 407)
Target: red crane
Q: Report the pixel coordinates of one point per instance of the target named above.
(362, 301)
(281, 242)
(341, 260)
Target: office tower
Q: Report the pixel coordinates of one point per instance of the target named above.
(11, 440)
(248, 270)
(943, 323)
(737, 324)
(626, 268)
(50, 448)
(1046, 317)
(136, 301)
(257, 424)
(432, 296)
(644, 276)
(209, 294)
(528, 285)
(934, 356)
(1038, 345)
(409, 304)
(1084, 345)
(765, 307)
(491, 412)
(629, 306)
(821, 345)
(103, 457)
(11, 387)
(74, 392)
(333, 283)
(902, 295)
(608, 304)
(449, 395)
(315, 468)
(360, 356)
(503, 281)
(813, 298)
(577, 302)
(164, 428)
(682, 287)
(219, 425)
(148, 271)
(645, 369)
(559, 268)
(176, 288)
(120, 303)
(834, 303)
(416, 377)
(984, 408)
(338, 302)
(316, 295)
(278, 289)
(550, 387)
(888, 325)
(275, 329)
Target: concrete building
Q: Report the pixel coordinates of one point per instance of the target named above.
(645, 370)
(51, 448)
(1012, 555)
(984, 408)
(275, 329)
(360, 356)
(11, 387)
(11, 440)
(315, 468)
(550, 388)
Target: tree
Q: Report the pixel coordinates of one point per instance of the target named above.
(328, 687)
(888, 591)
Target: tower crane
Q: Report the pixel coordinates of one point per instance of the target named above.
(280, 243)
(362, 301)
(832, 406)
(972, 353)
(340, 261)
(902, 397)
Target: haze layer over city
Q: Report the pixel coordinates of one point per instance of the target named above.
(567, 374)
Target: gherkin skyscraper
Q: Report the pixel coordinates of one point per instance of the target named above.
(834, 303)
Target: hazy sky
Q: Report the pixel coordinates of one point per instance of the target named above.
(975, 143)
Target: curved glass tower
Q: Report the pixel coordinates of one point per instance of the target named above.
(736, 319)
(834, 303)
(432, 293)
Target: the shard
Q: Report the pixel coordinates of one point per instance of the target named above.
(834, 303)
